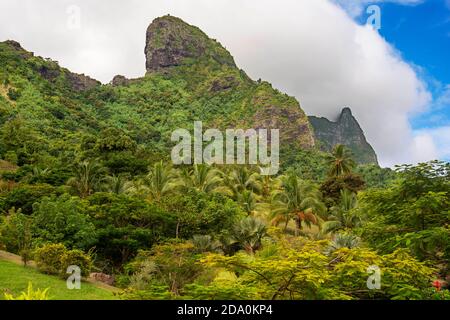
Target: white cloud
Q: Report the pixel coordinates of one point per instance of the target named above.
(432, 143)
(311, 49)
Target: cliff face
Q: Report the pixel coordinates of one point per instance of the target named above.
(171, 42)
(347, 131)
(229, 98)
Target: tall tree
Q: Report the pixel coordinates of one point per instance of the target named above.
(160, 181)
(297, 200)
(240, 180)
(88, 176)
(340, 161)
(342, 216)
(201, 177)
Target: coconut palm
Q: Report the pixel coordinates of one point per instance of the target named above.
(201, 177)
(116, 184)
(248, 201)
(88, 176)
(205, 243)
(160, 181)
(297, 200)
(241, 179)
(342, 216)
(340, 161)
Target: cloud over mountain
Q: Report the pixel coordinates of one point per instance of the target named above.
(311, 49)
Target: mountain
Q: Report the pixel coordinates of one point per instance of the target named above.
(220, 94)
(52, 117)
(347, 131)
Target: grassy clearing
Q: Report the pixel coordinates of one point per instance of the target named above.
(14, 279)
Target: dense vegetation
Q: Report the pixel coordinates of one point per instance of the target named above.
(86, 179)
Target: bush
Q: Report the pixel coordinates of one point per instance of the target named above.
(55, 259)
(76, 258)
(49, 258)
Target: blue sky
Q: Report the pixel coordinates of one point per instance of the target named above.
(421, 33)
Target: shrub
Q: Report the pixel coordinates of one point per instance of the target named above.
(76, 258)
(49, 258)
(30, 294)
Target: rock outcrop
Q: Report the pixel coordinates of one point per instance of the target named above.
(347, 131)
(183, 52)
(81, 82)
(171, 42)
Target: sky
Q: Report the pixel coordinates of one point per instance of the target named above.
(392, 69)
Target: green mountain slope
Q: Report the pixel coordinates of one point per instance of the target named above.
(190, 77)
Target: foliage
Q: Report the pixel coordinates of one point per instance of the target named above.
(303, 271)
(76, 258)
(298, 200)
(30, 294)
(340, 161)
(412, 213)
(172, 265)
(344, 215)
(64, 220)
(48, 258)
(331, 188)
(124, 224)
(16, 233)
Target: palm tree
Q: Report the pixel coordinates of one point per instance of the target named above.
(343, 240)
(248, 233)
(297, 200)
(248, 201)
(201, 177)
(116, 184)
(160, 181)
(342, 216)
(340, 161)
(205, 243)
(242, 179)
(88, 176)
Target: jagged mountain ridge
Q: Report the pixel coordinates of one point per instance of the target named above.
(347, 131)
(189, 77)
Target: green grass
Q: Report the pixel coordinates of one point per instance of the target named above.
(14, 279)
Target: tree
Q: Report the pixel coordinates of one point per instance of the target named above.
(412, 213)
(340, 161)
(200, 213)
(116, 184)
(125, 224)
(160, 181)
(241, 179)
(331, 188)
(16, 234)
(304, 270)
(88, 177)
(201, 177)
(248, 234)
(63, 220)
(343, 215)
(297, 200)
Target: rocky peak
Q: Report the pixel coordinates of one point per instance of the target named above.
(347, 131)
(171, 42)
